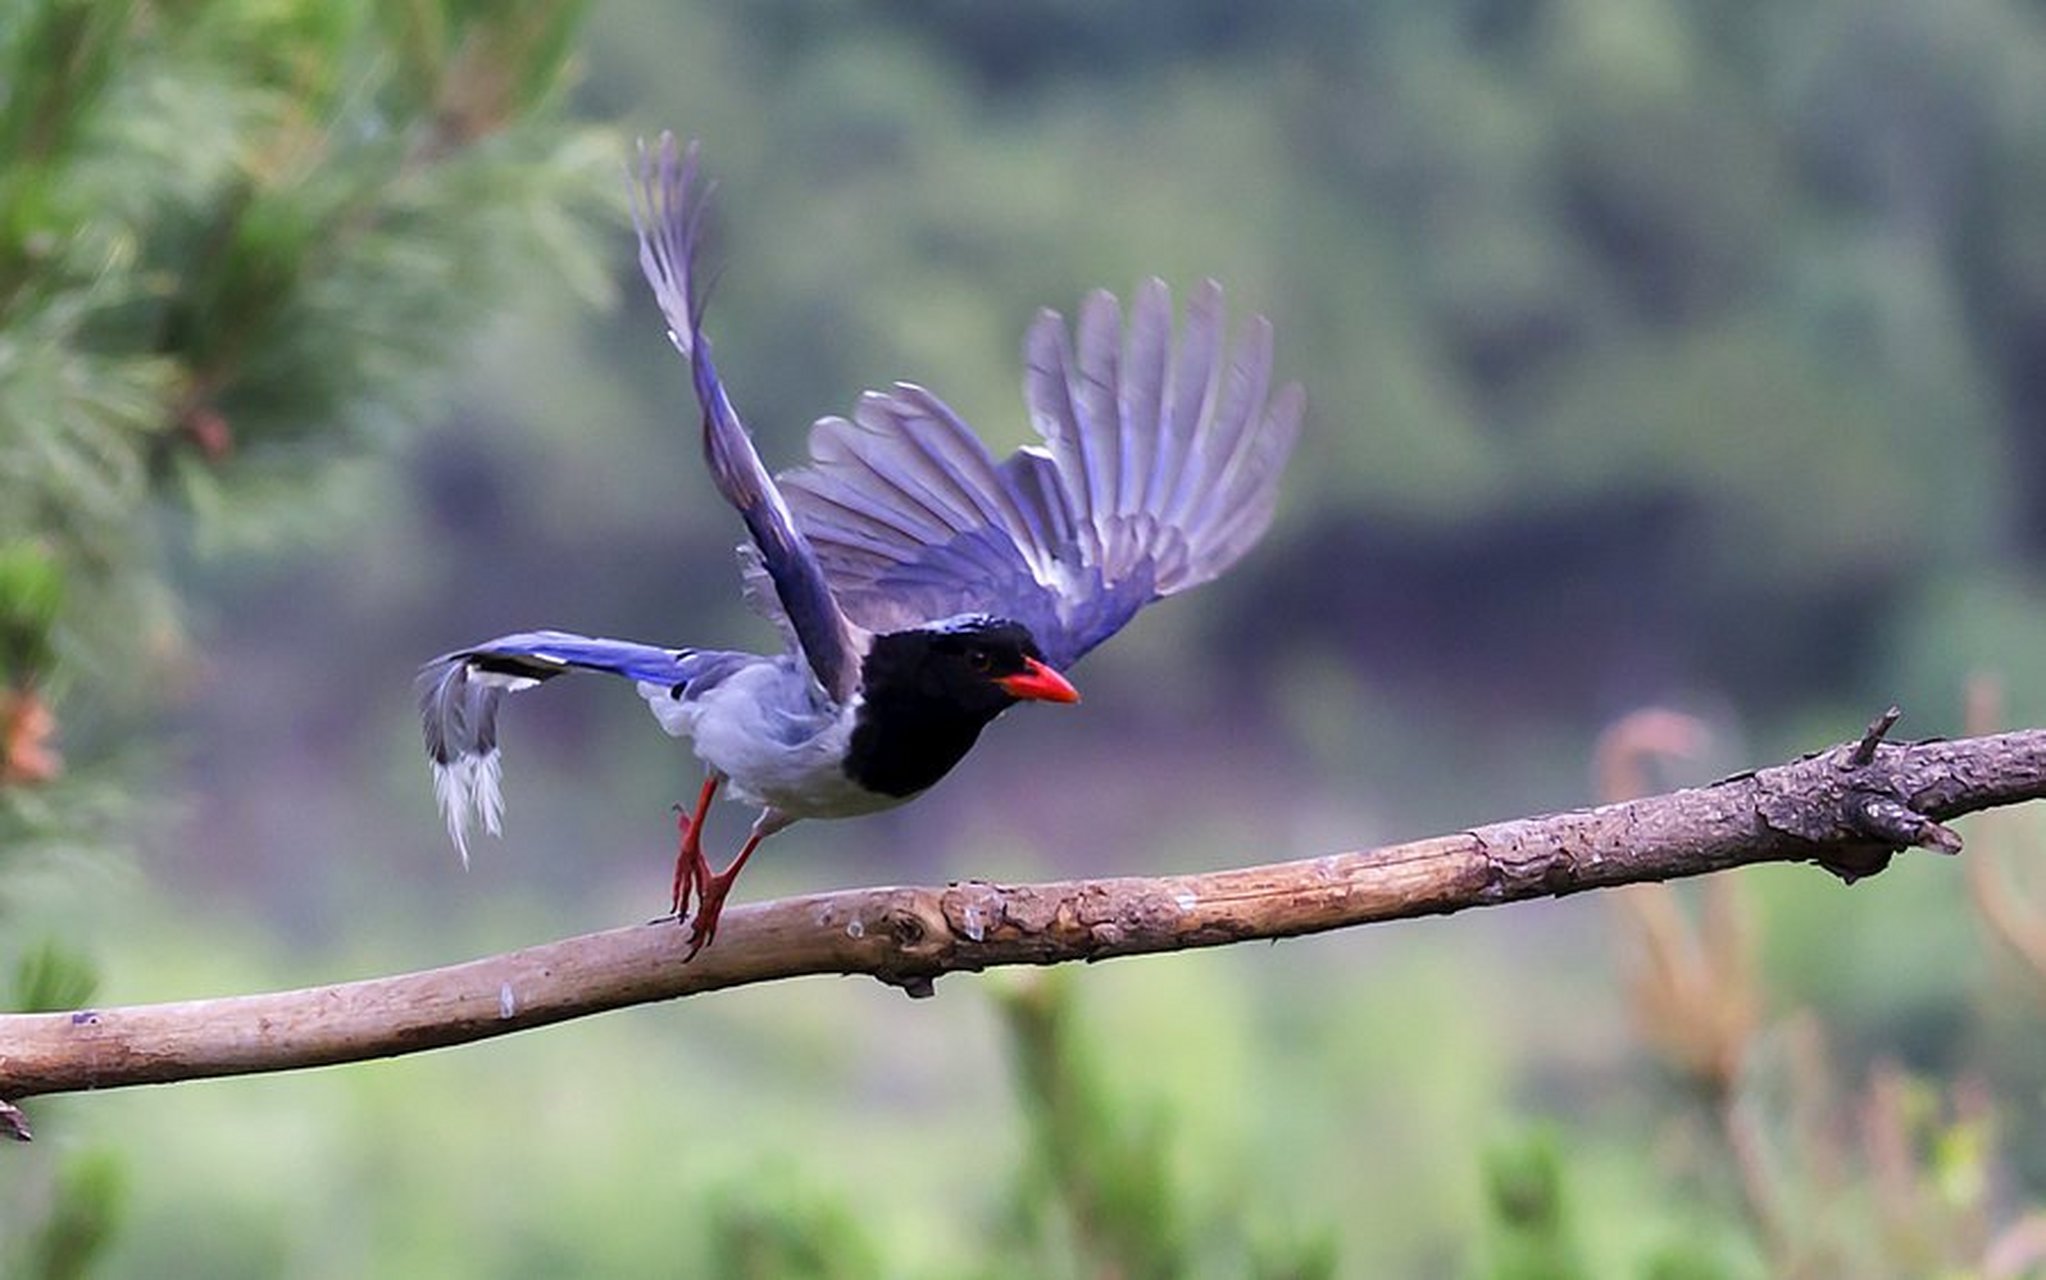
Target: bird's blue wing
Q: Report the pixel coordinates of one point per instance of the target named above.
(668, 215)
(914, 521)
(1159, 470)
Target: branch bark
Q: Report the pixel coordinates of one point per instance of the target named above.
(1848, 809)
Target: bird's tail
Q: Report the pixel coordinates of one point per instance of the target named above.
(459, 694)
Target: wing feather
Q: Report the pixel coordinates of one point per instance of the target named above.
(1159, 469)
(1205, 482)
(1098, 417)
(1146, 355)
(668, 214)
(1192, 384)
(864, 449)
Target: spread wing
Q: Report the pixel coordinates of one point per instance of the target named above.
(1159, 469)
(668, 214)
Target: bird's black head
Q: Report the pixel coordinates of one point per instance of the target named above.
(929, 691)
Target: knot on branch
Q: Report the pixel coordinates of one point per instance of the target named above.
(974, 924)
(919, 943)
(1873, 804)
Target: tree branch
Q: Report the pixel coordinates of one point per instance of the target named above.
(1847, 809)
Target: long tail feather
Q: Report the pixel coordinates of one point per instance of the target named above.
(459, 694)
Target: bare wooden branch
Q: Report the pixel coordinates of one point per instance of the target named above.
(1848, 809)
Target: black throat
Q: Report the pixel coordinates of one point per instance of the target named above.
(917, 718)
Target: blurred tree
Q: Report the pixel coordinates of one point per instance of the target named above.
(237, 240)
(1673, 307)
(1099, 1193)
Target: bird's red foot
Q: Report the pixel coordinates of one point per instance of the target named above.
(710, 904)
(710, 899)
(692, 869)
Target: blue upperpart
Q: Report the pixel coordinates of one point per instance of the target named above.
(540, 654)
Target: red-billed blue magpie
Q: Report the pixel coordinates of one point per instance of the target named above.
(921, 587)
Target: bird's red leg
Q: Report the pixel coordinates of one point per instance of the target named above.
(692, 869)
(710, 898)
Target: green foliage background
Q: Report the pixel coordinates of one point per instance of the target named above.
(1658, 353)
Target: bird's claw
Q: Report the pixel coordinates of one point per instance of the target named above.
(699, 938)
(710, 905)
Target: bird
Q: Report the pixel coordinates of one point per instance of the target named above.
(920, 587)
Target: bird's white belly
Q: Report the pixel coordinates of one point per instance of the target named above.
(775, 756)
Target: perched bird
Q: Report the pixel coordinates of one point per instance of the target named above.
(921, 587)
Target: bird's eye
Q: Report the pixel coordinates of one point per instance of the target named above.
(978, 659)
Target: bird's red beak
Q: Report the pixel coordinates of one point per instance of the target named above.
(1038, 683)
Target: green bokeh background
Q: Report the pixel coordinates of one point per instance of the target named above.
(1665, 353)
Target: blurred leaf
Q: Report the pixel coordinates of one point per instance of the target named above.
(1531, 1233)
(1314, 1256)
(55, 64)
(91, 1197)
(1689, 1261)
(51, 977)
(31, 596)
(774, 1227)
(1960, 1160)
